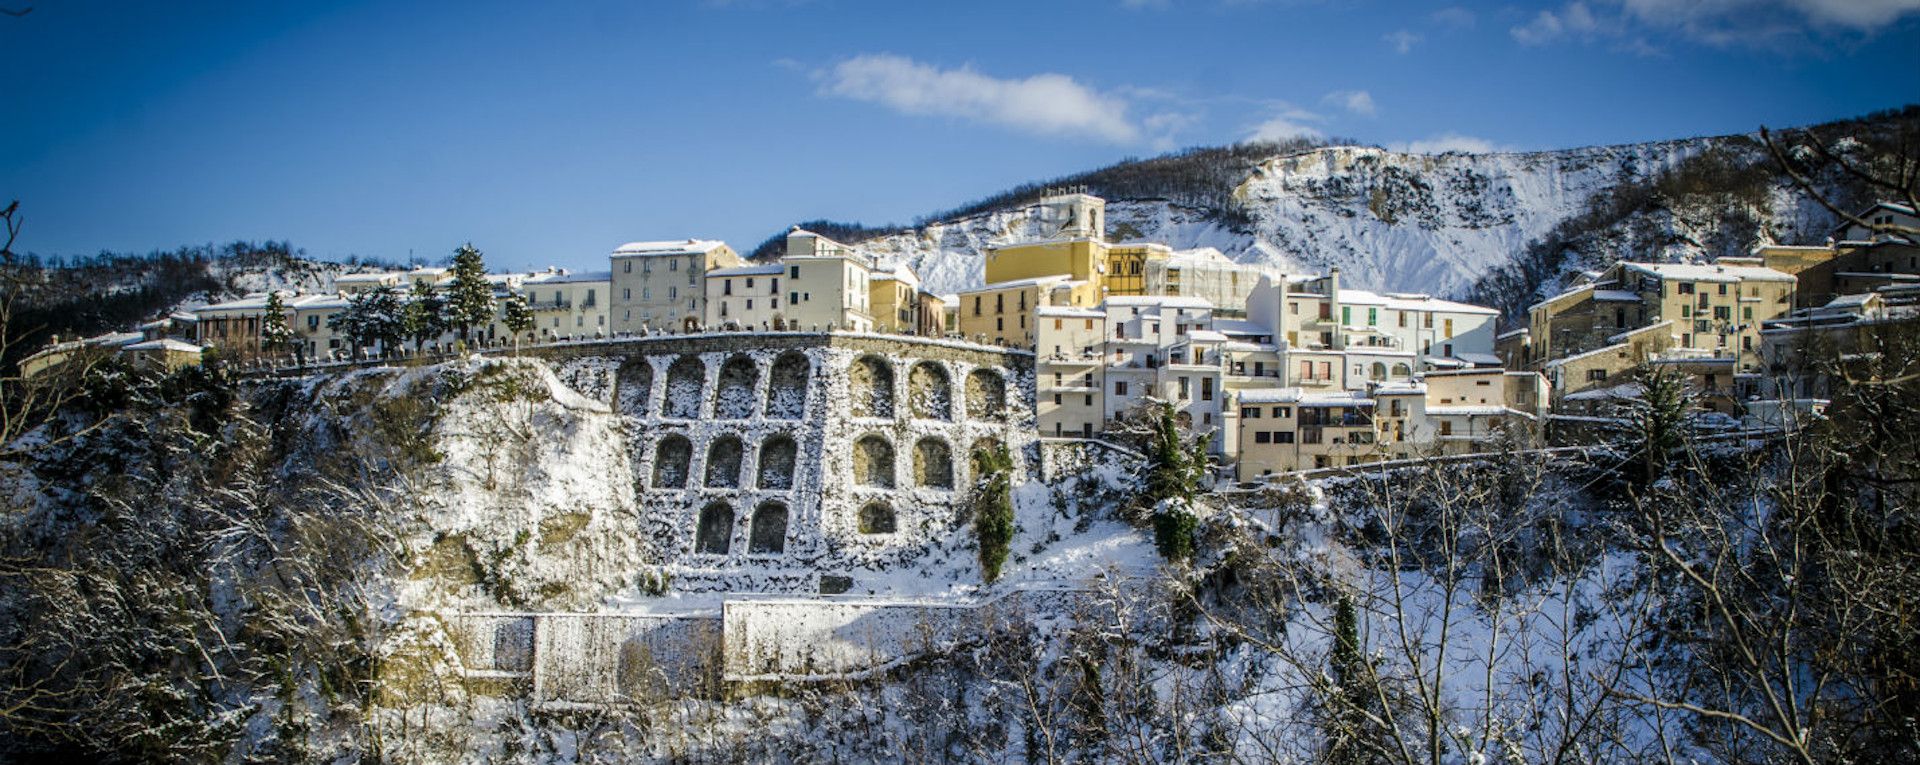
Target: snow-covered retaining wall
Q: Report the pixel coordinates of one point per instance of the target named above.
(587, 659)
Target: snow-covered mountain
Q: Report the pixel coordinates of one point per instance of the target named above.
(1444, 223)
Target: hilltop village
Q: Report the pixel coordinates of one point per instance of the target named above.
(1288, 372)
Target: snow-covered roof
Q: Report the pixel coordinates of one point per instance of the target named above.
(1164, 301)
(1710, 272)
(1199, 256)
(1410, 302)
(1467, 409)
(1630, 390)
(1400, 389)
(1067, 310)
(584, 276)
(1017, 283)
(1478, 358)
(1207, 336)
(746, 271)
(1615, 296)
(1240, 327)
(1511, 333)
(674, 247)
(164, 344)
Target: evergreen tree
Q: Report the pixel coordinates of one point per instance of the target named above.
(517, 315)
(371, 318)
(423, 318)
(993, 508)
(1176, 472)
(1351, 694)
(1658, 420)
(276, 333)
(470, 296)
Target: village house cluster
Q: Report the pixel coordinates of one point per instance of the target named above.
(1288, 372)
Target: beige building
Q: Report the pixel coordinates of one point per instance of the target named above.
(567, 305)
(658, 285)
(828, 284)
(746, 297)
(1715, 309)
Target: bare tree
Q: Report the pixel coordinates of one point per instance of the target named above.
(1898, 180)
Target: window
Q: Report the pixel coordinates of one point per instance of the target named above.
(1000, 303)
(1206, 389)
(1686, 311)
(1120, 387)
(1057, 325)
(626, 293)
(793, 272)
(976, 305)
(1262, 437)
(1326, 370)
(628, 266)
(1293, 307)
(793, 297)
(1282, 412)
(1283, 436)
(1326, 311)
(1449, 333)
(1426, 320)
(749, 282)
(1250, 412)
(726, 287)
(749, 304)
(1403, 318)
(1723, 312)
(1373, 316)
(1723, 289)
(1056, 399)
(1683, 288)
(1089, 398)
(1346, 314)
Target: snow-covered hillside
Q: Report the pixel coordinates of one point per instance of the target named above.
(1441, 223)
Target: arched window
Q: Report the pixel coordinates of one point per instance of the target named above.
(873, 462)
(871, 381)
(633, 387)
(986, 395)
(723, 463)
(1402, 371)
(670, 459)
(686, 381)
(1379, 371)
(734, 398)
(787, 386)
(876, 518)
(929, 393)
(932, 464)
(768, 532)
(716, 530)
(777, 462)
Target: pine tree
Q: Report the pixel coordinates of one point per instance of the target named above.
(371, 318)
(423, 318)
(1658, 419)
(470, 296)
(276, 333)
(993, 508)
(1350, 696)
(1177, 470)
(517, 315)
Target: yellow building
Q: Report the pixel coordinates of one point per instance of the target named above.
(1002, 313)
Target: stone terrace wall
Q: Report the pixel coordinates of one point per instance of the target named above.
(764, 461)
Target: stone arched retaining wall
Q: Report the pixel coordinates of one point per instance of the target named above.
(811, 398)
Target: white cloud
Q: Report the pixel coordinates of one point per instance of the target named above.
(1753, 23)
(1401, 40)
(1548, 26)
(1446, 142)
(1047, 104)
(1356, 101)
(1288, 123)
(1454, 17)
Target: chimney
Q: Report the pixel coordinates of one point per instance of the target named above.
(1333, 299)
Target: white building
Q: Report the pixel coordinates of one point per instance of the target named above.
(659, 285)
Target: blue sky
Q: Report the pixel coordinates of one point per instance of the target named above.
(549, 133)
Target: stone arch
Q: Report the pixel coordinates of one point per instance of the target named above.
(776, 462)
(633, 386)
(733, 398)
(1378, 371)
(723, 463)
(986, 395)
(1402, 371)
(932, 464)
(870, 381)
(767, 535)
(686, 388)
(929, 391)
(873, 462)
(716, 530)
(877, 518)
(671, 456)
(787, 386)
